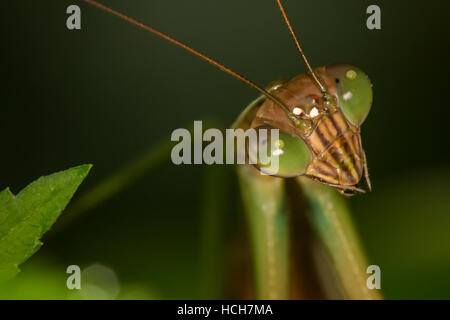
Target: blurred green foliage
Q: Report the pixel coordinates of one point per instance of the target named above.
(404, 225)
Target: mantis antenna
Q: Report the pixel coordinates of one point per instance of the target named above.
(195, 52)
(299, 47)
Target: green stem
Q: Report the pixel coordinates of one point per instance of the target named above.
(122, 179)
(117, 182)
(214, 208)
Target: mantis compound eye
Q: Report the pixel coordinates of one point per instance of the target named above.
(354, 91)
(279, 153)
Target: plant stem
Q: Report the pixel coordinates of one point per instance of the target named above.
(117, 182)
(214, 200)
(123, 178)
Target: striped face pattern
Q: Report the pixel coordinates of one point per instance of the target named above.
(337, 151)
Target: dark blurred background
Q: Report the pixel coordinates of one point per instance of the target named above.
(108, 92)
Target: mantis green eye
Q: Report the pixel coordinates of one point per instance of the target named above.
(354, 91)
(286, 156)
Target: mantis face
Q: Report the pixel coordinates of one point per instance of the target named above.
(325, 143)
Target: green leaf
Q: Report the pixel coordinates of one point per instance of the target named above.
(26, 217)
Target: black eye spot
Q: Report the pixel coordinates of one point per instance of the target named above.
(336, 80)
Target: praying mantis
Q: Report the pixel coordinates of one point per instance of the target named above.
(318, 115)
